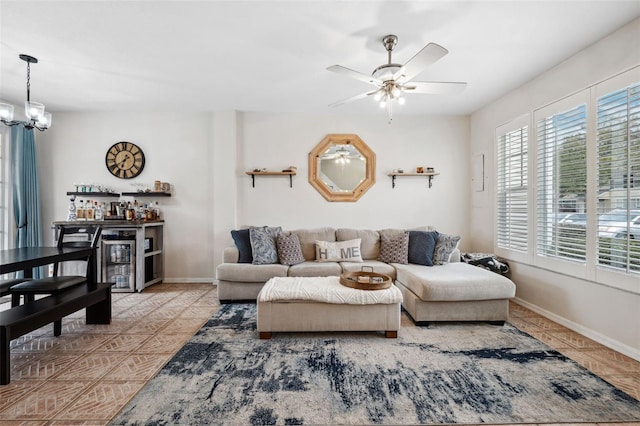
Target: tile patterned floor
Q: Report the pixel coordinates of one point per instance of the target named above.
(85, 376)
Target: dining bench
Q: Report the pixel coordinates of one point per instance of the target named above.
(20, 320)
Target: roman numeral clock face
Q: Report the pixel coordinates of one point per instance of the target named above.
(125, 160)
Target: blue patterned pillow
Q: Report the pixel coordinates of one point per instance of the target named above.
(444, 247)
(421, 247)
(263, 244)
(243, 243)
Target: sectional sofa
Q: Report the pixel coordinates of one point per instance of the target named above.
(452, 291)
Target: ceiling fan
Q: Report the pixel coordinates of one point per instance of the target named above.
(393, 80)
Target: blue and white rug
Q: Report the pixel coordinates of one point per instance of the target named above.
(449, 373)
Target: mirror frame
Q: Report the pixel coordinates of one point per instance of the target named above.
(342, 139)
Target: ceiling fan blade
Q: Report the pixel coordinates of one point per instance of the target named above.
(435, 87)
(354, 74)
(428, 55)
(353, 98)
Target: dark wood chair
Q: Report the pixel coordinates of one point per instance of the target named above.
(90, 237)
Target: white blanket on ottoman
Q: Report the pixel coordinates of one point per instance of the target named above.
(325, 289)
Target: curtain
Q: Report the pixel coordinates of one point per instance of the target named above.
(26, 191)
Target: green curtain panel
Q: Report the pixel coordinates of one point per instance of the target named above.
(26, 190)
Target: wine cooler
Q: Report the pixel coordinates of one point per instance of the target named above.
(118, 264)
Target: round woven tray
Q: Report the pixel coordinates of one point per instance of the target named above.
(350, 279)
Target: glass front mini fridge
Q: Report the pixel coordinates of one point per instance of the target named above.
(118, 263)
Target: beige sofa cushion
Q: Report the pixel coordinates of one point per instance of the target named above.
(315, 269)
(369, 244)
(250, 273)
(454, 281)
(308, 239)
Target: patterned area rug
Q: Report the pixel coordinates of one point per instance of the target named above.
(448, 373)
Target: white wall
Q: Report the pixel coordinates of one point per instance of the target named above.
(276, 141)
(591, 308)
(177, 150)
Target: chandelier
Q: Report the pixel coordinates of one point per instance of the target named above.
(34, 111)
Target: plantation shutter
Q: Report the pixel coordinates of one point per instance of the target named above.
(618, 144)
(512, 197)
(562, 180)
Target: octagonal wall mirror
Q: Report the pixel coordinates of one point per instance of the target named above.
(342, 167)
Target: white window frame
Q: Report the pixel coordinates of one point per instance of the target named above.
(7, 230)
(513, 125)
(563, 265)
(600, 273)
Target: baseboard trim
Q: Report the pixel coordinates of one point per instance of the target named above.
(587, 332)
(189, 280)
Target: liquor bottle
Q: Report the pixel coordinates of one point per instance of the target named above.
(98, 214)
(80, 211)
(89, 211)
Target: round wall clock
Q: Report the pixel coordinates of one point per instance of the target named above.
(125, 160)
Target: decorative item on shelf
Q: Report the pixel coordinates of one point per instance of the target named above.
(166, 187)
(264, 172)
(427, 172)
(71, 216)
(398, 170)
(34, 111)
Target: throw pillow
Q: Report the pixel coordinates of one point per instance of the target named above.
(444, 248)
(289, 249)
(394, 248)
(243, 243)
(263, 244)
(421, 247)
(341, 251)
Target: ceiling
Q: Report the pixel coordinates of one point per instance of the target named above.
(271, 56)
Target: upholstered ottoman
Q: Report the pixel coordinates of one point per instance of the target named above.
(287, 304)
(454, 292)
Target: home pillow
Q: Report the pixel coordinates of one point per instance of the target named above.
(445, 246)
(289, 249)
(263, 244)
(243, 243)
(394, 247)
(421, 247)
(341, 251)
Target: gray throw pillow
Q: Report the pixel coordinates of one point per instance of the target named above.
(289, 249)
(421, 247)
(444, 247)
(263, 244)
(394, 248)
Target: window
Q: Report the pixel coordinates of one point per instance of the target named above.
(562, 183)
(5, 221)
(618, 143)
(512, 189)
(580, 205)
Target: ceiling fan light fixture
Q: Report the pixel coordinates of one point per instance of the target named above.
(402, 100)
